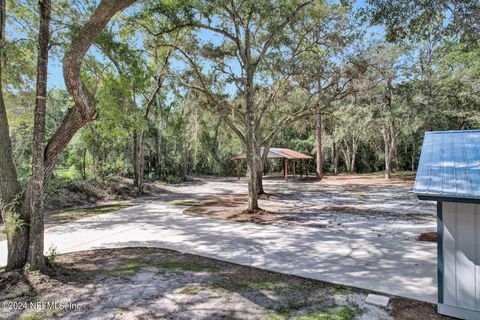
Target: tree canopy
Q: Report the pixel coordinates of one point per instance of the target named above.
(170, 89)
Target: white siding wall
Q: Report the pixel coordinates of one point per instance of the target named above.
(461, 252)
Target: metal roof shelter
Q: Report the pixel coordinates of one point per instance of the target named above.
(449, 173)
(449, 165)
(280, 153)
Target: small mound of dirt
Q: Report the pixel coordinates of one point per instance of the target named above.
(405, 309)
(428, 236)
(232, 207)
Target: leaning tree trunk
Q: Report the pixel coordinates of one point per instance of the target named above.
(83, 112)
(318, 145)
(85, 108)
(16, 222)
(33, 201)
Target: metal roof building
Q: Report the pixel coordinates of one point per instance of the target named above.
(449, 165)
(280, 153)
(449, 173)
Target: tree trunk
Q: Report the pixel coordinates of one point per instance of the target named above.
(34, 194)
(318, 145)
(352, 163)
(389, 152)
(141, 158)
(346, 155)
(138, 159)
(261, 164)
(84, 164)
(337, 156)
(413, 156)
(389, 132)
(388, 169)
(84, 110)
(354, 155)
(158, 152)
(251, 147)
(16, 222)
(260, 189)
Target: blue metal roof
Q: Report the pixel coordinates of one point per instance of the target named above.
(449, 165)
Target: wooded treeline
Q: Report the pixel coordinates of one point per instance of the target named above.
(167, 89)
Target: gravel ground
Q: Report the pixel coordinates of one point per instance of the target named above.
(356, 204)
(141, 283)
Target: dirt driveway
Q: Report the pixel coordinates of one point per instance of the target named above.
(353, 204)
(359, 250)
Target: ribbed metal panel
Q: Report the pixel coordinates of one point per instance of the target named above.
(450, 164)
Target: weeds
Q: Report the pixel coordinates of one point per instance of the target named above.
(52, 253)
(12, 218)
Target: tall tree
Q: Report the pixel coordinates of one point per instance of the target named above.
(249, 31)
(17, 216)
(34, 192)
(16, 222)
(244, 74)
(418, 19)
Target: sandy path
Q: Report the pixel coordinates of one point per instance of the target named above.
(404, 268)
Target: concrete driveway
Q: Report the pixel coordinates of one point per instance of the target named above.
(388, 265)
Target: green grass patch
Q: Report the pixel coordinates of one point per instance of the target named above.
(291, 306)
(334, 289)
(191, 290)
(193, 204)
(301, 287)
(276, 317)
(340, 313)
(134, 262)
(31, 316)
(128, 267)
(187, 266)
(261, 283)
(266, 283)
(124, 272)
(67, 173)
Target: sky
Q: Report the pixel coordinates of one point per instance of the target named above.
(55, 79)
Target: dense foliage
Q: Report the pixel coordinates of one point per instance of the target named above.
(434, 86)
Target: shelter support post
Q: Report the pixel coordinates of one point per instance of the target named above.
(286, 170)
(294, 162)
(306, 169)
(301, 168)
